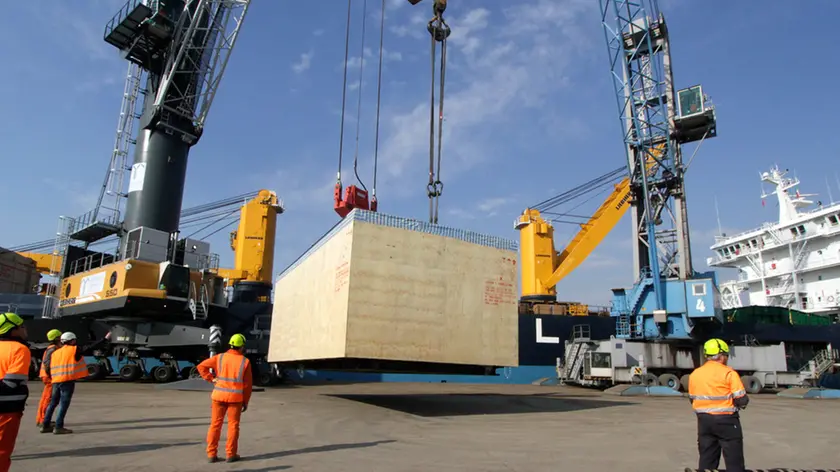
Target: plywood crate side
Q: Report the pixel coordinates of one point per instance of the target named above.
(427, 293)
(309, 318)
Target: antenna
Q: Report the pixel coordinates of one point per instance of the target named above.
(717, 212)
(830, 197)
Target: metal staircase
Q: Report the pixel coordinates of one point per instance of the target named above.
(59, 256)
(199, 298)
(576, 349)
(822, 362)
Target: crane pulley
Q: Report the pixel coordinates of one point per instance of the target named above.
(353, 196)
(439, 31)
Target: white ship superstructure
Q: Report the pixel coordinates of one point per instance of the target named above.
(793, 263)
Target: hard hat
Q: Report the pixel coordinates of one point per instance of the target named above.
(68, 336)
(9, 321)
(715, 346)
(52, 334)
(237, 340)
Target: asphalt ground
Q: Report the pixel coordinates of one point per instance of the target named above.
(415, 427)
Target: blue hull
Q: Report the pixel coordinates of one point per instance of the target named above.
(541, 345)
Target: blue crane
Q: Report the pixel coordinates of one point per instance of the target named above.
(669, 300)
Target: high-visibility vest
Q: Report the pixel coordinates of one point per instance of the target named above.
(15, 360)
(229, 386)
(45, 361)
(712, 387)
(64, 367)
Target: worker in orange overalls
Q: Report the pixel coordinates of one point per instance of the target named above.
(46, 395)
(717, 393)
(232, 384)
(15, 360)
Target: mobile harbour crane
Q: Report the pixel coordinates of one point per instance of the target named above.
(660, 320)
(160, 286)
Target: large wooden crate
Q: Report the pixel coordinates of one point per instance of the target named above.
(384, 288)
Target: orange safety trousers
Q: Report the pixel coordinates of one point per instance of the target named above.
(217, 417)
(9, 427)
(46, 395)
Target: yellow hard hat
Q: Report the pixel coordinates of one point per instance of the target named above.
(715, 346)
(52, 334)
(237, 340)
(9, 321)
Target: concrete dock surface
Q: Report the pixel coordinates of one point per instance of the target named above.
(415, 427)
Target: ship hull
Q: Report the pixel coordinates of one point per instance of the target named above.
(541, 348)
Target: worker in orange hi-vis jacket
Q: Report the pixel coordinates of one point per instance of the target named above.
(232, 385)
(15, 360)
(46, 394)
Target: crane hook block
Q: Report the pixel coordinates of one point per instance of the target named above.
(354, 197)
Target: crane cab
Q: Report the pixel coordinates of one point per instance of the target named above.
(694, 118)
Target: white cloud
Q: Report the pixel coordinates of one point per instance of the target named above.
(304, 63)
(492, 73)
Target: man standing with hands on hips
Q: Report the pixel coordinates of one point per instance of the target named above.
(232, 385)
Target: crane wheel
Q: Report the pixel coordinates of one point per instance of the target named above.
(650, 380)
(186, 372)
(670, 380)
(164, 374)
(751, 384)
(96, 371)
(684, 382)
(130, 373)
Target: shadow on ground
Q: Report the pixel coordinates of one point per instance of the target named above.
(314, 449)
(143, 426)
(441, 404)
(266, 469)
(101, 451)
(139, 420)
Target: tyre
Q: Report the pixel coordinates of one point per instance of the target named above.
(636, 379)
(650, 380)
(164, 374)
(96, 371)
(130, 372)
(186, 371)
(670, 380)
(684, 382)
(265, 379)
(751, 384)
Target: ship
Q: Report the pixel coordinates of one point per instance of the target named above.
(791, 263)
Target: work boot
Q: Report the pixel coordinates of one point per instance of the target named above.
(213, 459)
(62, 431)
(47, 429)
(233, 458)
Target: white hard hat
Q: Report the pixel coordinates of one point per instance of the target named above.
(67, 336)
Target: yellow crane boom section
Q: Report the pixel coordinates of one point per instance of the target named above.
(253, 240)
(542, 266)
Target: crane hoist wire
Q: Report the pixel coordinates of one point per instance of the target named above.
(439, 31)
(587, 187)
(345, 203)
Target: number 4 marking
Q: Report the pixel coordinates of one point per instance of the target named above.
(701, 306)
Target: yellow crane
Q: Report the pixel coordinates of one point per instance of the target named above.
(543, 267)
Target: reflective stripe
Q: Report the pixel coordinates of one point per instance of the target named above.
(710, 397)
(16, 377)
(716, 410)
(14, 383)
(230, 385)
(12, 398)
(739, 393)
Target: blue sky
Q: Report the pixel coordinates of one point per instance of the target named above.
(529, 113)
